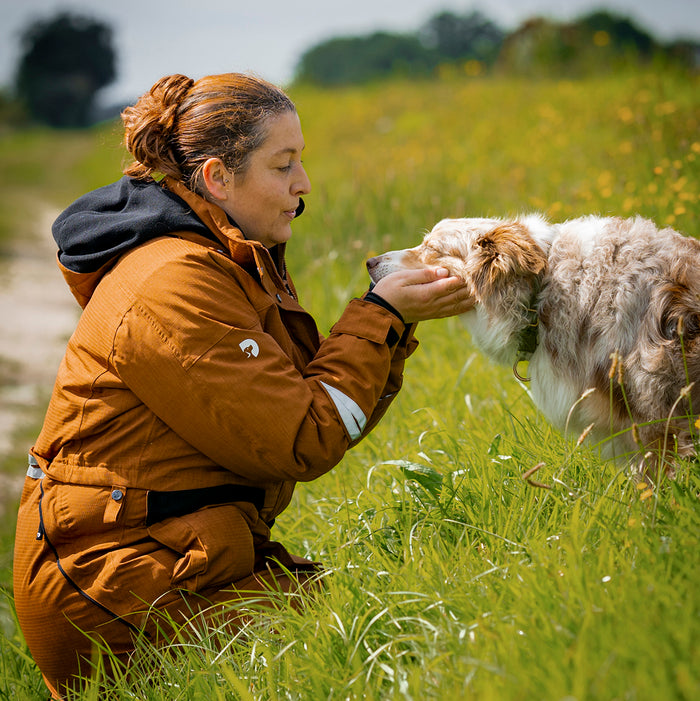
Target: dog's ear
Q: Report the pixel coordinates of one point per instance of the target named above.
(669, 341)
(679, 316)
(506, 252)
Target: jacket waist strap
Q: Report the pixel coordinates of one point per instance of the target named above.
(162, 505)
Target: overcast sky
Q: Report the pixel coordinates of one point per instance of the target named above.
(153, 38)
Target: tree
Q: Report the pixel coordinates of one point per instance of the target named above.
(595, 43)
(454, 37)
(621, 32)
(64, 62)
(360, 59)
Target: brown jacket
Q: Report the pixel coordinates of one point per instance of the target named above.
(193, 365)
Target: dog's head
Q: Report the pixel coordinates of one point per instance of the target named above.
(488, 254)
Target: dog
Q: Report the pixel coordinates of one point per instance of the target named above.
(606, 310)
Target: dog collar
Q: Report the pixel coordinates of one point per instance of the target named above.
(528, 339)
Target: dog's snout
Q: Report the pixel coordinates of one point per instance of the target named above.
(383, 264)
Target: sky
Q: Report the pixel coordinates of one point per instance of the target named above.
(154, 38)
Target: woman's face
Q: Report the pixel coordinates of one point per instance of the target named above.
(263, 200)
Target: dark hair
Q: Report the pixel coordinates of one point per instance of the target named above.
(180, 123)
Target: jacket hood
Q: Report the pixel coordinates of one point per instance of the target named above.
(107, 222)
(99, 227)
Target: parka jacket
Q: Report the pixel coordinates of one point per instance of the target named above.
(193, 366)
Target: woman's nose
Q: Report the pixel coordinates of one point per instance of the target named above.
(302, 185)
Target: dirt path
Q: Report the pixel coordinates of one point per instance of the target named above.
(37, 315)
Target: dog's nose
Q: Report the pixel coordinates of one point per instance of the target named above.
(372, 262)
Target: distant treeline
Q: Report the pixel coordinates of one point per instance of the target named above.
(67, 59)
(475, 44)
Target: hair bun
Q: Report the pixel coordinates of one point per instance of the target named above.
(150, 124)
(169, 92)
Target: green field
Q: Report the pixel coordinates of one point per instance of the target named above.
(449, 575)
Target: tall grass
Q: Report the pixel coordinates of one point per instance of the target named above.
(449, 575)
(41, 167)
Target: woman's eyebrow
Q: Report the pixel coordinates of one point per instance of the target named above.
(288, 149)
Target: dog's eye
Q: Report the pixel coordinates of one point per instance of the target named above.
(440, 251)
(450, 253)
(432, 252)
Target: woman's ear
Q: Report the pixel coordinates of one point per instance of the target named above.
(216, 178)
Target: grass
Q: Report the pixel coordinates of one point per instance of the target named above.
(449, 574)
(40, 166)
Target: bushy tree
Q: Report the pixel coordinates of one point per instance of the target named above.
(358, 59)
(621, 33)
(64, 62)
(594, 43)
(455, 37)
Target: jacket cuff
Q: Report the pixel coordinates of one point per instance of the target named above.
(393, 336)
(370, 320)
(377, 299)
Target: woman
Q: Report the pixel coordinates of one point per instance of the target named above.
(195, 391)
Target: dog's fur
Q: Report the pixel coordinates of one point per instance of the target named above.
(617, 305)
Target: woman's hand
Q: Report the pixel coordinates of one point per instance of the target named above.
(430, 293)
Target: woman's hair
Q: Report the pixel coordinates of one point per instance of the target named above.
(180, 123)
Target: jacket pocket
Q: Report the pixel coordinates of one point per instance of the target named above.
(216, 545)
(71, 511)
